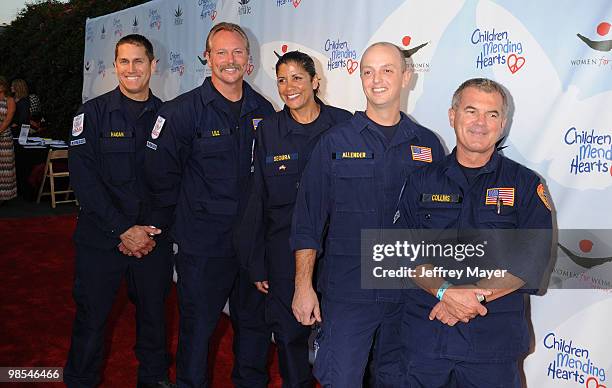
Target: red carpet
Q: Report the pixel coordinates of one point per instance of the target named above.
(36, 308)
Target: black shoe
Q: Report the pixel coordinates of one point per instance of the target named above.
(160, 384)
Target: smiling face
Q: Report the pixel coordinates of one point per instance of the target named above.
(227, 58)
(134, 70)
(295, 86)
(478, 120)
(383, 77)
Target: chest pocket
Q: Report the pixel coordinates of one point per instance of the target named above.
(438, 215)
(355, 186)
(282, 179)
(118, 158)
(215, 152)
(489, 219)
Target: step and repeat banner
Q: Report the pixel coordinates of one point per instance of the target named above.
(553, 56)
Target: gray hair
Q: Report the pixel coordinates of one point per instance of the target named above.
(483, 84)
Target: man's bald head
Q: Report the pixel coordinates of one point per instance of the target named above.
(395, 48)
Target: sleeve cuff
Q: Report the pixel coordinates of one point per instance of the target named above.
(301, 241)
(120, 228)
(258, 273)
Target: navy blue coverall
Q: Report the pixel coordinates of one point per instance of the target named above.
(105, 155)
(484, 351)
(352, 182)
(198, 167)
(283, 148)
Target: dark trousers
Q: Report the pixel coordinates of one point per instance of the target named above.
(345, 339)
(204, 285)
(291, 336)
(97, 278)
(424, 372)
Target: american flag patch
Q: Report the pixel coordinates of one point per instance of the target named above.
(505, 195)
(422, 154)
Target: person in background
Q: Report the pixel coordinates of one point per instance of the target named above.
(114, 237)
(8, 176)
(22, 108)
(284, 143)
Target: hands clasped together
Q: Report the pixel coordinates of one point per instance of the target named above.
(138, 240)
(459, 303)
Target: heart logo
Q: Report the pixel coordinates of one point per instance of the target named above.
(296, 3)
(351, 66)
(284, 48)
(213, 15)
(515, 63)
(249, 68)
(596, 385)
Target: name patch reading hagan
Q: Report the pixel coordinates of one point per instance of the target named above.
(353, 155)
(444, 198)
(281, 158)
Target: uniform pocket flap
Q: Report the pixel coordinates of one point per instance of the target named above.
(344, 246)
(219, 207)
(507, 214)
(112, 145)
(354, 169)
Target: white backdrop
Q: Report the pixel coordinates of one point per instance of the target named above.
(553, 56)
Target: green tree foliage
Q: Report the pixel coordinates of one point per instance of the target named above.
(44, 45)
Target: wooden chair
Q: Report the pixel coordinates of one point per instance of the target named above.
(52, 174)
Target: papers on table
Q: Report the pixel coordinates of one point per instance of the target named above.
(39, 142)
(23, 135)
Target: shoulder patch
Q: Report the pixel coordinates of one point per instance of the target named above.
(77, 124)
(543, 196)
(157, 128)
(256, 123)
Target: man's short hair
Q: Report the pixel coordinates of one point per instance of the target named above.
(225, 26)
(403, 66)
(136, 40)
(485, 85)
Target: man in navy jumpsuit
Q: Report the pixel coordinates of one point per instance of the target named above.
(198, 165)
(453, 339)
(283, 148)
(352, 182)
(114, 237)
